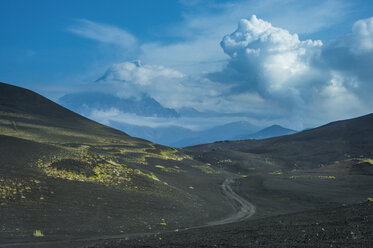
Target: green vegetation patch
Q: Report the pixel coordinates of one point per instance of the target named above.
(140, 155)
(174, 169)
(38, 234)
(173, 155)
(163, 223)
(313, 177)
(364, 160)
(151, 175)
(276, 173)
(88, 169)
(206, 168)
(75, 166)
(94, 168)
(17, 189)
(10, 115)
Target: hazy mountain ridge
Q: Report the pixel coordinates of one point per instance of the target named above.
(268, 132)
(95, 104)
(86, 102)
(180, 137)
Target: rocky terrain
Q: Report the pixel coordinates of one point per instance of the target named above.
(63, 176)
(66, 181)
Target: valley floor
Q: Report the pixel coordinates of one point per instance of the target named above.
(315, 208)
(339, 226)
(244, 210)
(345, 226)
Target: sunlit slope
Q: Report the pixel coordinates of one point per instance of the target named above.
(65, 175)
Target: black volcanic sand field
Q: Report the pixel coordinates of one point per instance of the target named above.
(66, 181)
(304, 186)
(63, 176)
(313, 210)
(350, 226)
(323, 167)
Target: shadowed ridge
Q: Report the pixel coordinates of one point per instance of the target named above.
(323, 145)
(19, 100)
(24, 100)
(344, 128)
(311, 148)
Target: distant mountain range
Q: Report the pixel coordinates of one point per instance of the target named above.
(268, 132)
(181, 137)
(86, 102)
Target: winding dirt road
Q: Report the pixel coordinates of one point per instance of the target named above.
(244, 209)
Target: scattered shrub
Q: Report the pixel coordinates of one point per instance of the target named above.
(38, 234)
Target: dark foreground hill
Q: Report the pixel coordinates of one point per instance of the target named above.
(63, 176)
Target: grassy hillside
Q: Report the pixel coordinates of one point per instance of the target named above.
(67, 176)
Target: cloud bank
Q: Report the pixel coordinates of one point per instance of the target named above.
(268, 73)
(170, 87)
(308, 81)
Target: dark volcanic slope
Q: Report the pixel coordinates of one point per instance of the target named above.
(308, 149)
(322, 167)
(63, 176)
(350, 226)
(42, 118)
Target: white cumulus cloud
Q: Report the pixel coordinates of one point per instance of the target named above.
(272, 55)
(139, 74)
(304, 79)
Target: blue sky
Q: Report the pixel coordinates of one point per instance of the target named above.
(39, 49)
(58, 47)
